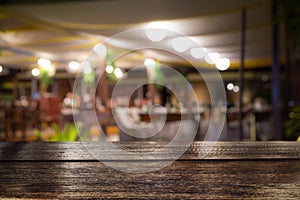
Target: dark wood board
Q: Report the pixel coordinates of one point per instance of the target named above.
(269, 170)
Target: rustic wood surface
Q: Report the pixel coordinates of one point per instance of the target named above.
(231, 170)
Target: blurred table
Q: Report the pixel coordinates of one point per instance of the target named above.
(170, 117)
(104, 118)
(242, 170)
(173, 117)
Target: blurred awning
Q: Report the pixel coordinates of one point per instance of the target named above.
(68, 30)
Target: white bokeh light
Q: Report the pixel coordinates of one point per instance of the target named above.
(74, 66)
(85, 64)
(198, 52)
(86, 67)
(181, 44)
(118, 72)
(35, 71)
(52, 70)
(156, 31)
(149, 62)
(236, 88)
(100, 49)
(87, 70)
(212, 58)
(1, 68)
(223, 64)
(230, 86)
(109, 69)
(44, 63)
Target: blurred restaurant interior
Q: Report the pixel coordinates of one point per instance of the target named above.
(61, 62)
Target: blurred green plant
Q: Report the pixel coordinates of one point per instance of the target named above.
(112, 75)
(109, 56)
(45, 78)
(89, 78)
(54, 133)
(157, 75)
(292, 125)
(110, 61)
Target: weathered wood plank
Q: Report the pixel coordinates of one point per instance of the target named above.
(205, 179)
(219, 150)
(231, 170)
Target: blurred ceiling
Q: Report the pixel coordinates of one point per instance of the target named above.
(63, 31)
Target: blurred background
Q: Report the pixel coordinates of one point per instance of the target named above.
(45, 45)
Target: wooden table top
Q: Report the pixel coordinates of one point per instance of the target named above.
(231, 170)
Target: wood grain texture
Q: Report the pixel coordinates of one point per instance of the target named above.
(68, 171)
(220, 150)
